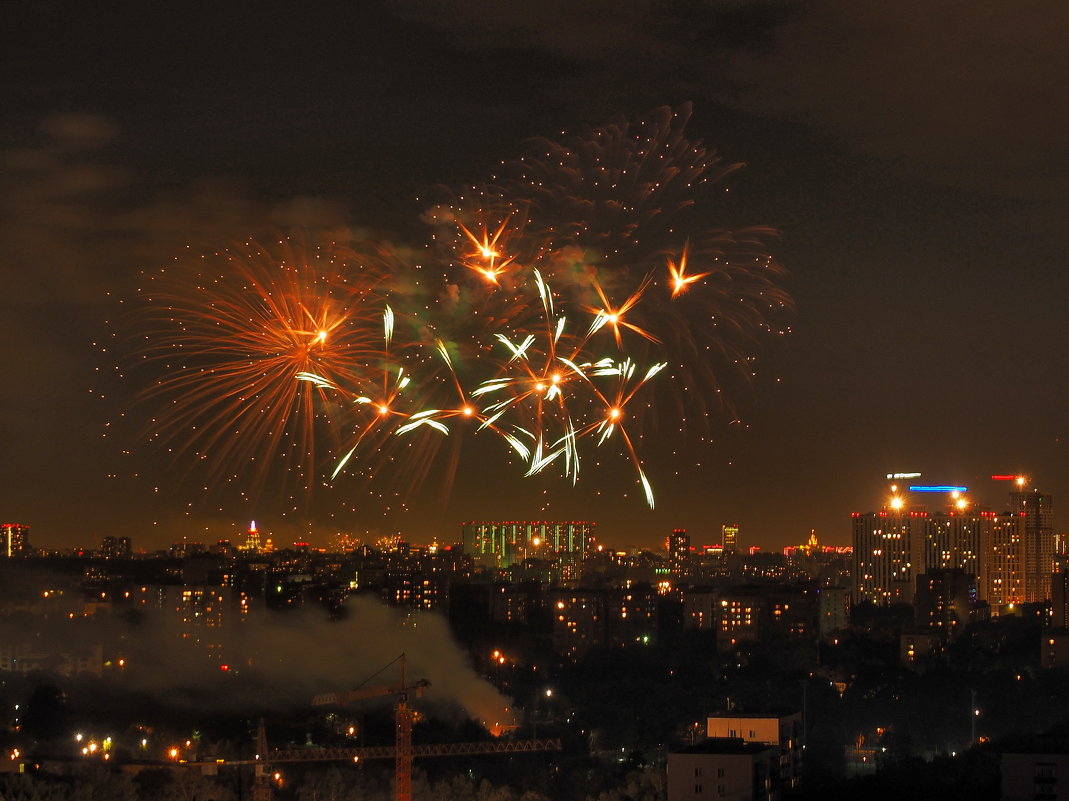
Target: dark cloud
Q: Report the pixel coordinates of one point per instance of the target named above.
(967, 92)
(77, 131)
(579, 31)
(961, 92)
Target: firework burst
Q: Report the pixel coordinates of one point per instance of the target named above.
(236, 329)
(618, 220)
(547, 301)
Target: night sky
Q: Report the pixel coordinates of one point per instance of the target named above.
(911, 155)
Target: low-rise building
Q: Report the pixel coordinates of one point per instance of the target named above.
(724, 769)
(780, 730)
(1032, 775)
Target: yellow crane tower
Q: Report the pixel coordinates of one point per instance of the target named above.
(402, 752)
(401, 691)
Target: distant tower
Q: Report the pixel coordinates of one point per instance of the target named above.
(252, 539)
(679, 552)
(115, 548)
(730, 533)
(14, 540)
(1037, 509)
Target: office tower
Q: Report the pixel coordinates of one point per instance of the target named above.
(730, 534)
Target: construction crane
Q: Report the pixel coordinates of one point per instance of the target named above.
(401, 691)
(264, 759)
(403, 750)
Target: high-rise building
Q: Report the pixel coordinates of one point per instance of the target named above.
(1002, 579)
(504, 544)
(14, 540)
(730, 535)
(1037, 509)
(893, 547)
(1011, 555)
(951, 540)
(679, 552)
(253, 544)
(115, 548)
(883, 562)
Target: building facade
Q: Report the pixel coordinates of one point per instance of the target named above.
(1037, 511)
(724, 770)
(504, 544)
(783, 732)
(730, 538)
(883, 564)
(679, 553)
(1011, 554)
(833, 609)
(14, 540)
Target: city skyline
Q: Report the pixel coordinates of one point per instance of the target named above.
(917, 185)
(904, 496)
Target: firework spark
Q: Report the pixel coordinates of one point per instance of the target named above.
(679, 281)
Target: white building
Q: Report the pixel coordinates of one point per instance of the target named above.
(724, 770)
(781, 731)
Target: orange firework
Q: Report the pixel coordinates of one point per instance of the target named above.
(613, 316)
(678, 278)
(235, 330)
(487, 260)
